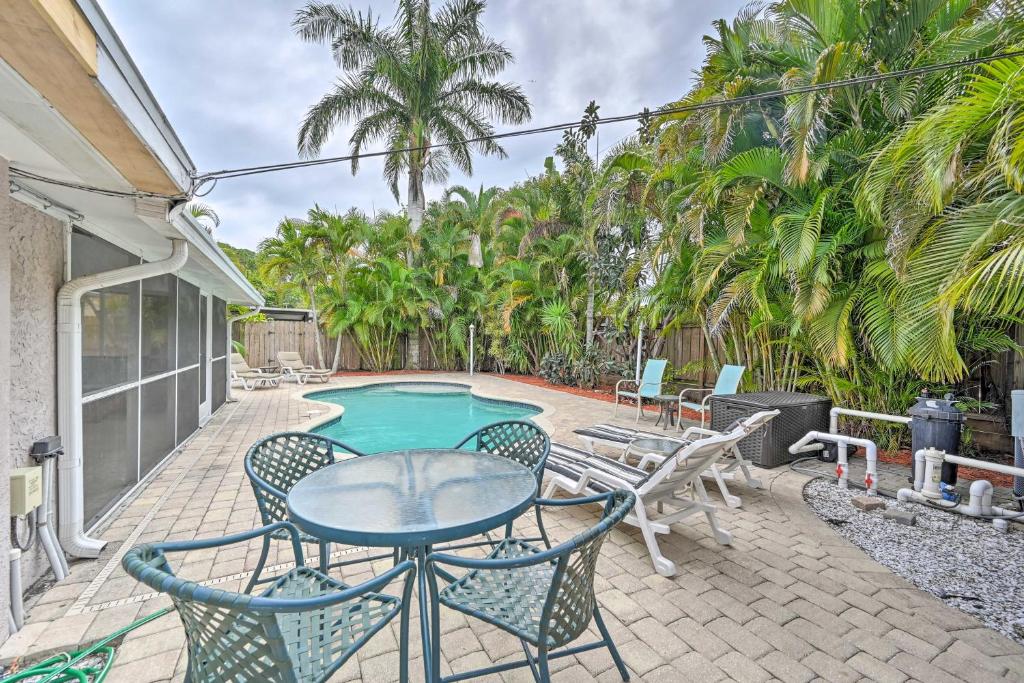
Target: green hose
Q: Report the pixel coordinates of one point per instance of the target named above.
(61, 667)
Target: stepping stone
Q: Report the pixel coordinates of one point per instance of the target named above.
(868, 503)
(904, 518)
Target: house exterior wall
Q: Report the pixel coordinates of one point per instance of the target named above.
(5, 374)
(35, 249)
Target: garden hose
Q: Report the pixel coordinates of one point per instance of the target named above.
(61, 668)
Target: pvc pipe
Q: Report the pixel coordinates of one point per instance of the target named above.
(17, 604)
(44, 527)
(980, 498)
(842, 470)
(910, 495)
(472, 333)
(834, 413)
(985, 465)
(231, 322)
(919, 469)
(71, 502)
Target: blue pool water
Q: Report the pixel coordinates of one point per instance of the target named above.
(390, 417)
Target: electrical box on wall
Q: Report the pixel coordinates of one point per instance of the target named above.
(26, 490)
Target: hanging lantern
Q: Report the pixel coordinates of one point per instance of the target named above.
(476, 254)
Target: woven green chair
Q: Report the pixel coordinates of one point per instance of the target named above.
(543, 597)
(520, 441)
(301, 629)
(274, 465)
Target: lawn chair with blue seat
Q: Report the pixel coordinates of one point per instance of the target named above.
(648, 387)
(302, 628)
(728, 382)
(544, 597)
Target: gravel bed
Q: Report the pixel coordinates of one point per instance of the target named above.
(961, 560)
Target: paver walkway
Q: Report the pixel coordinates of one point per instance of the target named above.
(789, 600)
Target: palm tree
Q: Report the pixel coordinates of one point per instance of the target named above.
(290, 256)
(203, 213)
(421, 81)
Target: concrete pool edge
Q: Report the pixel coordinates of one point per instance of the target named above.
(336, 411)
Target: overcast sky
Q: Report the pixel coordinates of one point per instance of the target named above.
(235, 82)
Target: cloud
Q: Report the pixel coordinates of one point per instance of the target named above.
(235, 83)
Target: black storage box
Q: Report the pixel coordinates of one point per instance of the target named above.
(769, 446)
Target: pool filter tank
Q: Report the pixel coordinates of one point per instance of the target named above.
(937, 423)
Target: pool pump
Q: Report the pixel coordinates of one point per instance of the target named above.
(937, 423)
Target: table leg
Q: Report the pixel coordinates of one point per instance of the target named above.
(430, 667)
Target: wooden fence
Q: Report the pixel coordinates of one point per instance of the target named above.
(263, 340)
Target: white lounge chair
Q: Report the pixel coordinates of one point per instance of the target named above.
(294, 368)
(675, 482)
(250, 379)
(618, 437)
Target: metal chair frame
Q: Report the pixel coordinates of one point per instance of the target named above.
(237, 636)
(318, 451)
(498, 438)
(568, 605)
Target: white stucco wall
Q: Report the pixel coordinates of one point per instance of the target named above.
(5, 412)
(36, 256)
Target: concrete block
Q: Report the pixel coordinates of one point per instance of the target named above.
(868, 503)
(904, 518)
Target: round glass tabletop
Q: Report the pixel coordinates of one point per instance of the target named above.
(654, 445)
(411, 498)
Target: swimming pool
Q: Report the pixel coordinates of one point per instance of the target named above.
(390, 417)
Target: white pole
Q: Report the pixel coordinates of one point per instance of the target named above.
(639, 349)
(472, 332)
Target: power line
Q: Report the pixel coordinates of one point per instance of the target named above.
(131, 194)
(200, 180)
(687, 108)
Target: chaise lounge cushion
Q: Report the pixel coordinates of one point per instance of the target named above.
(572, 462)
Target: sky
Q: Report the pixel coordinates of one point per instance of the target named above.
(235, 82)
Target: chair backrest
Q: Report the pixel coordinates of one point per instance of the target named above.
(571, 599)
(238, 363)
(290, 359)
(691, 459)
(729, 379)
(518, 440)
(650, 382)
(276, 463)
(227, 641)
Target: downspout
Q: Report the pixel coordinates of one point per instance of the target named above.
(71, 494)
(231, 323)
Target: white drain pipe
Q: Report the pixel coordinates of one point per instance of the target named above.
(833, 417)
(71, 498)
(927, 479)
(807, 444)
(17, 614)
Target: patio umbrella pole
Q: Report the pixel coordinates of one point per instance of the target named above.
(639, 349)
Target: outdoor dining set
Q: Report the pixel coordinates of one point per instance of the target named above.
(411, 511)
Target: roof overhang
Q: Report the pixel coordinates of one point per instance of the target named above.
(36, 137)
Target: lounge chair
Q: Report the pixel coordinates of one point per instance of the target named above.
(294, 368)
(649, 385)
(250, 379)
(728, 382)
(675, 482)
(618, 437)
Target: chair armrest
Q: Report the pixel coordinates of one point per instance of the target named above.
(321, 601)
(216, 542)
(625, 381)
(689, 389)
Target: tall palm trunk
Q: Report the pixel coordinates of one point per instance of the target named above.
(416, 206)
(591, 295)
(316, 326)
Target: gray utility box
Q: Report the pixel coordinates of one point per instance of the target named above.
(769, 446)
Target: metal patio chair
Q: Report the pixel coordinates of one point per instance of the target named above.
(274, 465)
(648, 386)
(302, 628)
(544, 597)
(520, 441)
(728, 382)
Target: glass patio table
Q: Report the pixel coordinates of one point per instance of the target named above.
(412, 499)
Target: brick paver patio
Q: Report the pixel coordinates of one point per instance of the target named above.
(789, 600)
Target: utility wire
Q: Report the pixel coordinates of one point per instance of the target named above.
(201, 180)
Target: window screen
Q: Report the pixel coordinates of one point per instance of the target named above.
(204, 331)
(188, 324)
(110, 337)
(220, 383)
(188, 403)
(220, 328)
(90, 255)
(158, 423)
(109, 447)
(159, 304)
